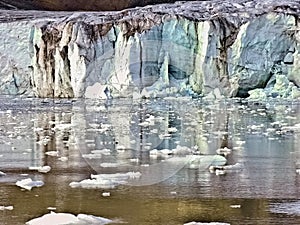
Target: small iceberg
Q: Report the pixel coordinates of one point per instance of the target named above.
(221, 170)
(41, 169)
(110, 165)
(224, 151)
(166, 153)
(2, 174)
(67, 218)
(28, 184)
(106, 181)
(2, 208)
(203, 162)
(52, 153)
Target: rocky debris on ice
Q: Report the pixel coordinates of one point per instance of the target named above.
(106, 181)
(67, 218)
(28, 184)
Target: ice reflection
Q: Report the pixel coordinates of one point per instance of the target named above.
(173, 142)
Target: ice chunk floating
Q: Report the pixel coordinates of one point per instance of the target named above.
(67, 218)
(28, 184)
(106, 181)
(41, 169)
(2, 208)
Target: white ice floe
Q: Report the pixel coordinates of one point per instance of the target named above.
(165, 136)
(179, 150)
(67, 218)
(144, 124)
(52, 153)
(160, 153)
(110, 165)
(63, 126)
(28, 184)
(92, 156)
(206, 161)
(41, 169)
(172, 129)
(239, 142)
(51, 208)
(211, 223)
(106, 181)
(2, 208)
(97, 154)
(220, 172)
(221, 169)
(2, 174)
(102, 151)
(63, 159)
(182, 150)
(224, 151)
(294, 128)
(106, 194)
(38, 129)
(134, 160)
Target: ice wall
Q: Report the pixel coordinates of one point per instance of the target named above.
(212, 48)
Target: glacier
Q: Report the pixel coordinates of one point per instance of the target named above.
(205, 48)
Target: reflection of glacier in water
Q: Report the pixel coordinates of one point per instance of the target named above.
(173, 143)
(290, 208)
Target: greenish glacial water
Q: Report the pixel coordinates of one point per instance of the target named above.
(169, 144)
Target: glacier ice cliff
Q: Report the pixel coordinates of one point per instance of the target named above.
(211, 48)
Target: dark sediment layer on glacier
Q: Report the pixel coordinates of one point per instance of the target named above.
(212, 48)
(77, 5)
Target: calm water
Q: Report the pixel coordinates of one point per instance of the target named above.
(264, 139)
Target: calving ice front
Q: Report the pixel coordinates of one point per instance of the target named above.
(201, 48)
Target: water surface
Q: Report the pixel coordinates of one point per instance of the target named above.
(264, 138)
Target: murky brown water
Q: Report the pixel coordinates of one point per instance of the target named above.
(263, 138)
